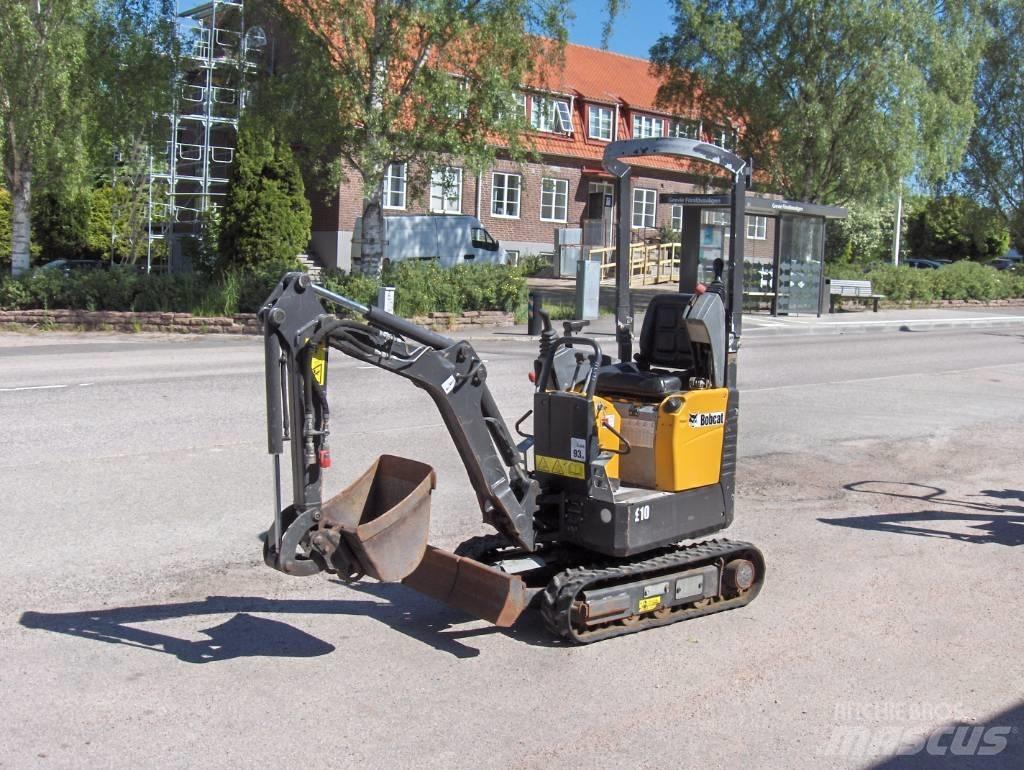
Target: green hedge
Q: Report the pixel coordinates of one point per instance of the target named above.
(421, 287)
(961, 280)
(425, 287)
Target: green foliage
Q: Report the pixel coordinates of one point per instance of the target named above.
(839, 102)
(534, 264)
(864, 236)
(956, 227)
(963, 280)
(266, 217)
(421, 287)
(5, 229)
(60, 224)
(421, 83)
(994, 168)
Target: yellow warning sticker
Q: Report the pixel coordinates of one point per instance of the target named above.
(319, 364)
(558, 467)
(648, 604)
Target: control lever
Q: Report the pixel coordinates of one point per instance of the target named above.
(574, 327)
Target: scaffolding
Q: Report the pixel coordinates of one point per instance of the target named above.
(190, 162)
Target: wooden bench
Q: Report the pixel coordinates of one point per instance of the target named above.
(761, 296)
(840, 288)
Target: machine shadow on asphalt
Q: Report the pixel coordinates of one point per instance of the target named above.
(959, 740)
(994, 522)
(248, 635)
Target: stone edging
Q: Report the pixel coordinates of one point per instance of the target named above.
(186, 323)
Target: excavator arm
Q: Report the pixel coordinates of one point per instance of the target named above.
(298, 332)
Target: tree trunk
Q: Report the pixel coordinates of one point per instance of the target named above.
(372, 246)
(21, 220)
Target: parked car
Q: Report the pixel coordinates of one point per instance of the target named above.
(68, 266)
(453, 239)
(925, 264)
(1003, 263)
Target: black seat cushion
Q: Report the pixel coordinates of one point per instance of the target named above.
(663, 338)
(630, 380)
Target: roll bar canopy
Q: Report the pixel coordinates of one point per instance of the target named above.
(692, 149)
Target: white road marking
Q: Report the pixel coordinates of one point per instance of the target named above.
(32, 387)
(44, 387)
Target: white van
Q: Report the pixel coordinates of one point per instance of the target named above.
(453, 239)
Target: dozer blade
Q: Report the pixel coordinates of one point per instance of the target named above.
(470, 586)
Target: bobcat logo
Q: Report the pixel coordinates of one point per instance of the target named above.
(706, 419)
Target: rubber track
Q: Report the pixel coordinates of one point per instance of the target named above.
(557, 599)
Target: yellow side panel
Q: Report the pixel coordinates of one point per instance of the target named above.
(688, 442)
(605, 414)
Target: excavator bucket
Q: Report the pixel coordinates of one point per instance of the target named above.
(384, 516)
(383, 519)
(470, 586)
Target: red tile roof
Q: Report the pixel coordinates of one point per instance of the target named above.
(608, 79)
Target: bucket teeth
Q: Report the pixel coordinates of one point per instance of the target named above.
(470, 586)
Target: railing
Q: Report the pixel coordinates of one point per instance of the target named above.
(648, 264)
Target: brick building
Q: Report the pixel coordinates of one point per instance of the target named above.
(600, 97)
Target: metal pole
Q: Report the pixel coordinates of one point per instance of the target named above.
(899, 226)
(623, 300)
(149, 234)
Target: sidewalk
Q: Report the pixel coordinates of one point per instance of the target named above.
(757, 325)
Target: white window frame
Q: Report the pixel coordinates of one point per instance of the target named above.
(550, 115)
(713, 217)
(677, 217)
(395, 185)
(722, 136)
(596, 119)
(647, 127)
(506, 203)
(446, 198)
(677, 126)
(757, 227)
(549, 198)
(648, 203)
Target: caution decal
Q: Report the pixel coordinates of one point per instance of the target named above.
(559, 467)
(319, 364)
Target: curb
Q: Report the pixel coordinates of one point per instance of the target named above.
(821, 330)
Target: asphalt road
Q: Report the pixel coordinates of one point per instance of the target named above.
(881, 474)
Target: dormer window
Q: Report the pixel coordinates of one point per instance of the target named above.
(552, 115)
(600, 123)
(647, 126)
(722, 136)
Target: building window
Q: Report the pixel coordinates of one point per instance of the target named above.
(644, 204)
(685, 129)
(550, 115)
(505, 195)
(645, 126)
(757, 228)
(446, 190)
(554, 199)
(722, 137)
(600, 123)
(394, 187)
(715, 217)
(677, 218)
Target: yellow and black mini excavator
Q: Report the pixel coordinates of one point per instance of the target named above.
(626, 460)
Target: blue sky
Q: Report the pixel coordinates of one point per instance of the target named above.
(637, 27)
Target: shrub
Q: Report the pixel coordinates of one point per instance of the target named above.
(902, 283)
(957, 227)
(266, 216)
(422, 287)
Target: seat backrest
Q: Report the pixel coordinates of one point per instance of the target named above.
(663, 339)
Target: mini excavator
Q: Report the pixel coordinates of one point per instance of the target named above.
(597, 513)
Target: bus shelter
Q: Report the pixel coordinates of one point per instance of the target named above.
(791, 281)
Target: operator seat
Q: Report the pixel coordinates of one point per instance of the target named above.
(664, 342)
